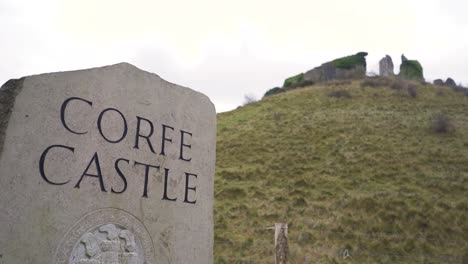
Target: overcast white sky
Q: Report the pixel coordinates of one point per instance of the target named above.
(227, 49)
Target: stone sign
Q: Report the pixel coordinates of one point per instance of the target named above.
(105, 165)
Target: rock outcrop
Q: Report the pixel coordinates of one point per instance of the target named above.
(349, 67)
(449, 82)
(386, 66)
(410, 69)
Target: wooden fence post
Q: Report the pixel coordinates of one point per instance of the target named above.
(281, 243)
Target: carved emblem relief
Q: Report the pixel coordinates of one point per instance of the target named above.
(107, 244)
(107, 236)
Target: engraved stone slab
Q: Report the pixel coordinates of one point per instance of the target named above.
(105, 165)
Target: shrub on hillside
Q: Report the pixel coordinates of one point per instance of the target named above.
(372, 74)
(293, 80)
(440, 123)
(349, 62)
(300, 84)
(273, 91)
(340, 94)
(291, 85)
(249, 98)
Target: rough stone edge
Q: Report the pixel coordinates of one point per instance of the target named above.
(126, 64)
(13, 87)
(8, 93)
(202, 95)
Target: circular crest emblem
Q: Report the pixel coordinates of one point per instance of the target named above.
(106, 236)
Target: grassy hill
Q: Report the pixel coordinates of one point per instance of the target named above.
(358, 173)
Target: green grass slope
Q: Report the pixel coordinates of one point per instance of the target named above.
(359, 180)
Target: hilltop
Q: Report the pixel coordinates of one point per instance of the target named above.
(352, 166)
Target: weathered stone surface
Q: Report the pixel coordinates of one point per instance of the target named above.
(438, 82)
(8, 93)
(450, 82)
(410, 69)
(77, 183)
(350, 67)
(386, 66)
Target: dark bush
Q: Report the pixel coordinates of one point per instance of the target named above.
(300, 84)
(291, 84)
(293, 80)
(351, 61)
(249, 98)
(440, 123)
(273, 91)
(340, 94)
